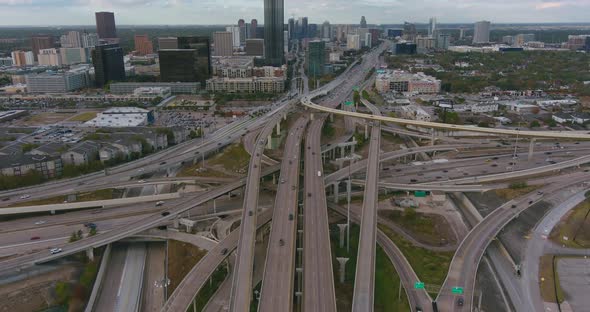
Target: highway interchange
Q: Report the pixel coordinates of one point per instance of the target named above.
(279, 292)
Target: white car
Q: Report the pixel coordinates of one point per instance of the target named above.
(141, 181)
(25, 196)
(54, 251)
(40, 222)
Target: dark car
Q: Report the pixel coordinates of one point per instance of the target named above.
(513, 206)
(281, 242)
(35, 238)
(250, 213)
(290, 217)
(224, 251)
(162, 163)
(165, 213)
(530, 202)
(308, 194)
(460, 301)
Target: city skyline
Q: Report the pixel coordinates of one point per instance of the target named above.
(183, 12)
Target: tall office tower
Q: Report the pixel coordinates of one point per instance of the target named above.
(481, 33)
(40, 42)
(304, 28)
(368, 41)
(461, 33)
(105, 25)
(223, 43)
(71, 40)
(316, 58)
(363, 22)
(167, 43)
(143, 45)
(191, 62)
(108, 64)
(273, 32)
(286, 41)
(49, 57)
(326, 30)
(375, 34)
(235, 31)
(291, 28)
(89, 40)
(432, 28)
(409, 31)
(253, 26)
(22, 58)
(254, 47)
(362, 35)
(312, 30)
(587, 45)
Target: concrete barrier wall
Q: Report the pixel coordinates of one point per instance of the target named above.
(99, 277)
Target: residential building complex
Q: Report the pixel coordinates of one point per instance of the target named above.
(401, 81)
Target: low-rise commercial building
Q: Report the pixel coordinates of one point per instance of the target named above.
(162, 92)
(246, 85)
(58, 82)
(122, 117)
(175, 87)
(401, 81)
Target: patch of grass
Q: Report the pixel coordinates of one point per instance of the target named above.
(427, 228)
(575, 225)
(209, 289)
(386, 278)
(431, 267)
(182, 257)
(549, 280)
(196, 171)
(512, 193)
(83, 117)
(233, 158)
(82, 197)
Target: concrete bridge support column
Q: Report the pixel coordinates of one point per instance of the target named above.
(279, 128)
(352, 147)
(274, 179)
(342, 151)
(285, 116)
(532, 148)
(342, 228)
(310, 115)
(90, 253)
(342, 269)
(432, 138)
(269, 142)
(336, 185)
(331, 117)
(366, 131)
(348, 190)
(259, 236)
(176, 223)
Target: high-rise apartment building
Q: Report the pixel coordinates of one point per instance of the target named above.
(40, 42)
(108, 64)
(443, 41)
(316, 57)
(22, 58)
(286, 41)
(167, 43)
(143, 45)
(353, 42)
(432, 27)
(223, 43)
(481, 33)
(273, 32)
(71, 56)
(375, 34)
(363, 22)
(409, 32)
(89, 40)
(191, 62)
(49, 57)
(326, 30)
(253, 26)
(71, 40)
(255, 47)
(105, 25)
(235, 34)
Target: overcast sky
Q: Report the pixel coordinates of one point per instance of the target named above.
(81, 12)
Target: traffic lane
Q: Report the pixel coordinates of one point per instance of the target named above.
(318, 276)
(277, 284)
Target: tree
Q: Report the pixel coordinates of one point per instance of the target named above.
(356, 98)
(534, 124)
(92, 232)
(74, 237)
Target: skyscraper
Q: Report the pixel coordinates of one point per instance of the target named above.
(235, 31)
(481, 33)
(166, 43)
(304, 28)
(223, 43)
(191, 62)
(105, 25)
(326, 30)
(316, 57)
(409, 32)
(40, 42)
(143, 45)
(254, 47)
(253, 26)
(363, 22)
(108, 64)
(291, 28)
(432, 28)
(71, 40)
(273, 32)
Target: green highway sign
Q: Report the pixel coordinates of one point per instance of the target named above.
(348, 103)
(419, 285)
(457, 290)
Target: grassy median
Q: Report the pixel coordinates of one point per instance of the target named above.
(81, 197)
(549, 280)
(182, 257)
(574, 228)
(387, 281)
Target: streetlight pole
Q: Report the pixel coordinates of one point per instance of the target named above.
(349, 186)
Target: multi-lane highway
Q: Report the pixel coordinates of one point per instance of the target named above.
(318, 278)
(364, 282)
(463, 268)
(279, 271)
(241, 292)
